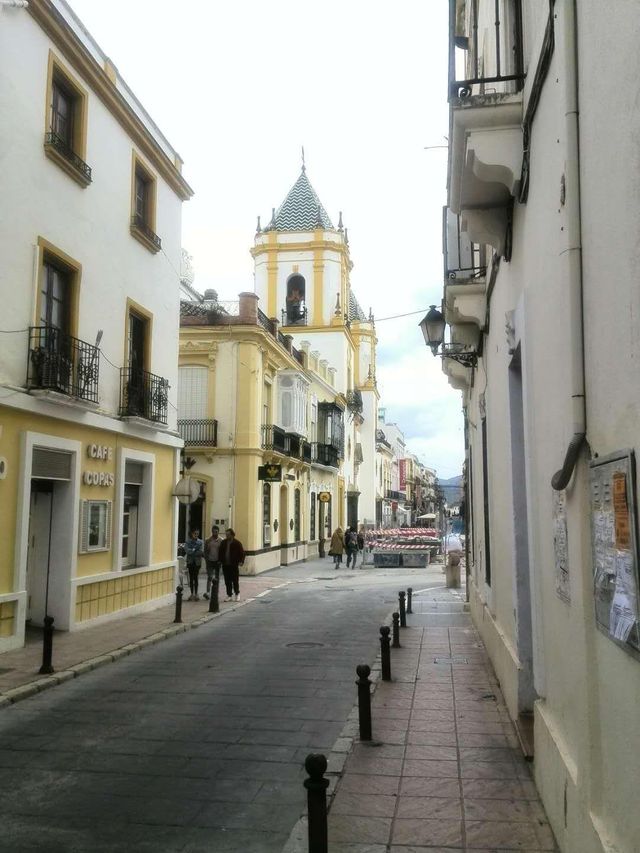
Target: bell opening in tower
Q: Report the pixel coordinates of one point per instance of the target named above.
(296, 309)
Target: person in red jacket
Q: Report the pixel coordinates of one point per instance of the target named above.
(231, 555)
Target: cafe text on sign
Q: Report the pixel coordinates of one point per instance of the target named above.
(100, 451)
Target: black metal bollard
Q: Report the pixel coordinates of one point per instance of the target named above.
(401, 608)
(409, 599)
(47, 647)
(396, 631)
(364, 700)
(385, 652)
(316, 764)
(214, 601)
(178, 604)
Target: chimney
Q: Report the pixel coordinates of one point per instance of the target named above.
(249, 308)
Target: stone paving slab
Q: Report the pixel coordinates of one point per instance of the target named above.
(444, 771)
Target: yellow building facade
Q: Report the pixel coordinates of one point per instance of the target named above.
(263, 426)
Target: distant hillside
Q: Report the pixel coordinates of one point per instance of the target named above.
(452, 489)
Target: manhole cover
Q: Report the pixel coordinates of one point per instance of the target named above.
(304, 645)
(455, 659)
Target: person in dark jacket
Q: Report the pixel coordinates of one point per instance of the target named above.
(231, 555)
(193, 552)
(351, 545)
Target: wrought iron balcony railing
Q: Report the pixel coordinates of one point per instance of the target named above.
(57, 143)
(293, 445)
(274, 438)
(393, 495)
(267, 324)
(492, 57)
(143, 395)
(325, 454)
(198, 432)
(306, 451)
(59, 362)
(463, 259)
(294, 315)
(139, 225)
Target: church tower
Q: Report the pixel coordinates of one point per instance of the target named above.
(302, 277)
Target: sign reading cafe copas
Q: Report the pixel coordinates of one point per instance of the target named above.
(99, 478)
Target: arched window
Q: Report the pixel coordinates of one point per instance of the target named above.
(296, 310)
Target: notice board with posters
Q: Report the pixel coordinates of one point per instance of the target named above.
(614, 543)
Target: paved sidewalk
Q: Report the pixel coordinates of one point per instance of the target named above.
(444, 771)
(79, 651)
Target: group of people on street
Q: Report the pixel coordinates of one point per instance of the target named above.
(350, 542)
(217, 553)
(228, 554)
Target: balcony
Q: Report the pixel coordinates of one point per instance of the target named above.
(486, 77)
(325, 454)
(464, 260)
(143, 395)
(198, 432)
(486, 47)
(63, 364)
(141, 231)
(274, 438)
(57, 149)
(392, 495)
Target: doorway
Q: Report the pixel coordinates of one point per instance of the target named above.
(39, 551)
(284, 525)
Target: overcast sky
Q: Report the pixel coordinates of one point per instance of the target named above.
(238, 88)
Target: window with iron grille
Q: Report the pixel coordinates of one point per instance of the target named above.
(65, 139)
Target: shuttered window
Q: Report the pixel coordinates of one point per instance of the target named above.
(95, 526)
(192, 393)
(51, 464)
(134, 473)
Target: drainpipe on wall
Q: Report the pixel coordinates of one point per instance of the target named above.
(572, 253)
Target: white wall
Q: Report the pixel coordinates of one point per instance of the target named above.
(91, 224)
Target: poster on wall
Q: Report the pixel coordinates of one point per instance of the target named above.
(614, 545)
(561, 546)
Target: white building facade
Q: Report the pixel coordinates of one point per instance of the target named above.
(88, 354)
(543, 307)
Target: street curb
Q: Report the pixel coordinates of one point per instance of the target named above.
(38, 685)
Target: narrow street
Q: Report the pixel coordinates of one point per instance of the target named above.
(198, 743)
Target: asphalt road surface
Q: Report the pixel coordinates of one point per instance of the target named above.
(197, 743)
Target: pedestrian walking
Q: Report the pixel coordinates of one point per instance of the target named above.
(361, 544)
(231, 556)
(193, 549)
(351, 545)
(336, 548)
(212, 558)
